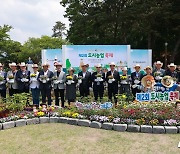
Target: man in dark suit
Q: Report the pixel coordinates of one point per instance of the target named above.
(85, 83)
(112, 79)
(173, 73)
(158, 72)
(136, 79)
(45, 78)
(23, 78)
(3, 76)
(98, 78)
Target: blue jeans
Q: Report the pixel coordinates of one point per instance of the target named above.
(35, 95)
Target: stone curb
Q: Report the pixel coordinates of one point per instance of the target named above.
(171, 129)
(32, 121)
(72, 121)
(107, 126)
(44, 120)
(133, 128)
(93, 124)
(8, 125)
(54, 119)
(146, 129)
(120, 127)
(158, 129)
(85, 123)
(20, 122)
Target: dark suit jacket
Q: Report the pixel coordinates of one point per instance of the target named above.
(173, 75)
(3, 85)
(19, 76)
(94, 77)
(86, 82)
(116, 77)
(133, 77)
(48, 84)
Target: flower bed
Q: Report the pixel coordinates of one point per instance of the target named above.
(129, 115)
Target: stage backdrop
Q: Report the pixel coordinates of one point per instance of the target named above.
(74, 55)
(139, 56)
(50, 56)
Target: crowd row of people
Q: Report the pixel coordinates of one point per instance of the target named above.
(42, 82)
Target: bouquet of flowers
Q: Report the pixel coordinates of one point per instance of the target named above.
(1, 78)
(123, 77)
(10, 79)
(69, 79)
(111, 79)
(33, 75)
(80, 79)
(136, 80)
(43, 78)
(99, 77)
(157, 75)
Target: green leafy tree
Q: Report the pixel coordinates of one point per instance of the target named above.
(33, 46)
(140, 23)
(59, 29)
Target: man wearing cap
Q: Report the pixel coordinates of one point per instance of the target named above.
(158, 72)
(136, 79)
(98, 79)
(125, 82)
(59, 84)
(45, 78)
(3, 76)
(34, 85)
(173, 73)
(112, 79)
(12, 83)
(86, 80)
(23, 78)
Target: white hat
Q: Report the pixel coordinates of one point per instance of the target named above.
(45, 64)
(22, 64)
(84, 64)
(137, 65)
(148, 67)
(172, 65)
(12, 64)
(58, 64)
(159, 62)
(112, 63)
(124, 69)
(1, 64)
(98, 65)
(34, 66)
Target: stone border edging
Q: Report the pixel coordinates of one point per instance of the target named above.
(93, 124)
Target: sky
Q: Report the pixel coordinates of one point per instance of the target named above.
(31, 18)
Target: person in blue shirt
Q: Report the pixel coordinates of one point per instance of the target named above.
(167, 85)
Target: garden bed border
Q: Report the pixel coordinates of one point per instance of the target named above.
(93, 124)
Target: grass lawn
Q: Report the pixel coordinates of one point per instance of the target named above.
(62, 138)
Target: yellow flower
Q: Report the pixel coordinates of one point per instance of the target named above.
(75, 115)
(69, 77)
(67, 114)
(125, 106)
(124, 96)
(40, 114)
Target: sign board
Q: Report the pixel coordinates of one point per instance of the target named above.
(94, 106)
(157, 96)
(75, 55)
(50, 56)
(140, 56)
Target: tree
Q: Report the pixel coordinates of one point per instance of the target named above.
(33, 46)
(9, 49)
(59, 29)
(140, 23)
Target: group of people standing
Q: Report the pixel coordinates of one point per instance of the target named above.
(42, 82)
